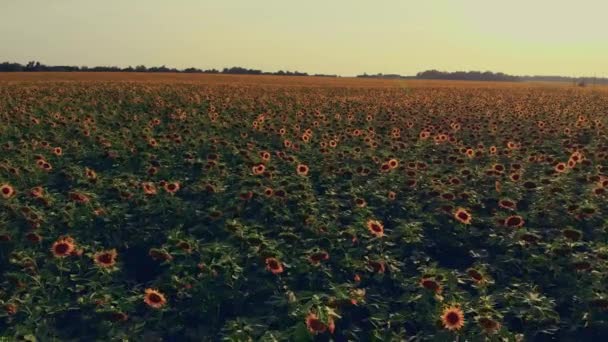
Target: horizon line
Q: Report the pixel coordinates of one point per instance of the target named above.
(220, 70)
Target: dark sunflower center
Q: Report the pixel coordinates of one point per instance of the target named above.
(61, 248)
(453, 318)
(105, 258)
(513, 221)
(429, 284)
(317, 325)
(155, 298)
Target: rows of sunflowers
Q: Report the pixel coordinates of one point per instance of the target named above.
(189, 212)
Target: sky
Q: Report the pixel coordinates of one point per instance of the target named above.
(345, 37)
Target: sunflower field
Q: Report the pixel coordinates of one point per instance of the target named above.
(201, 211)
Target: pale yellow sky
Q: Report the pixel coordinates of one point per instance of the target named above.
(346, 37)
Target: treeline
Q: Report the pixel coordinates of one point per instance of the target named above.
(34, 66)
(381, 75)
(580, 81)
(489, 76)
(443, 75)
(466, 76)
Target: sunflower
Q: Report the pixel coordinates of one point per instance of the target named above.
(258, 169)
(393, 163)
(529, 237)
(424, 135)
(452, 318)
(149, 188)
(512, 145)
(375, 228)
(316, 326)
(515, 177)
(265, 155)
(317, 257)
(514, 221)
(172, 187)
(159, 254)
(489, 325)
(63, 247)
(476, 276)
(560, 167)
(498, 167)
(185, 246)
(245, 196)
(90, 174)
(274, 265)
(572, 234)
(463, 216)
(154, 298)
(268, 192)
(118, 316)
(431, 284)
(571, 163)
(447, 196)
(105, 259)
(7, 191)
(360, 202)
(11, 309)
(377, 266)
(37, 192)
(79, 197)
(302, 169)
(507, 204)
(33, 237)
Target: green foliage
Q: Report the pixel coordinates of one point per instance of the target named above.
(356, 248)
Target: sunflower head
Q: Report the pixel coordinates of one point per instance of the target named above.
(375, 227)
(63, 247)
(452, 318)
(105, 259)
(463, 216)
(6, 191)
(154, 298)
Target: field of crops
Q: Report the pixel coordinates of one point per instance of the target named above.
(275, 209)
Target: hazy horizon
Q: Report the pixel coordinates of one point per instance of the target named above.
(341, 37)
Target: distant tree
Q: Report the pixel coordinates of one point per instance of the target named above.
(240, 70)
(192, 70)
(11, 67)
(466, 76)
